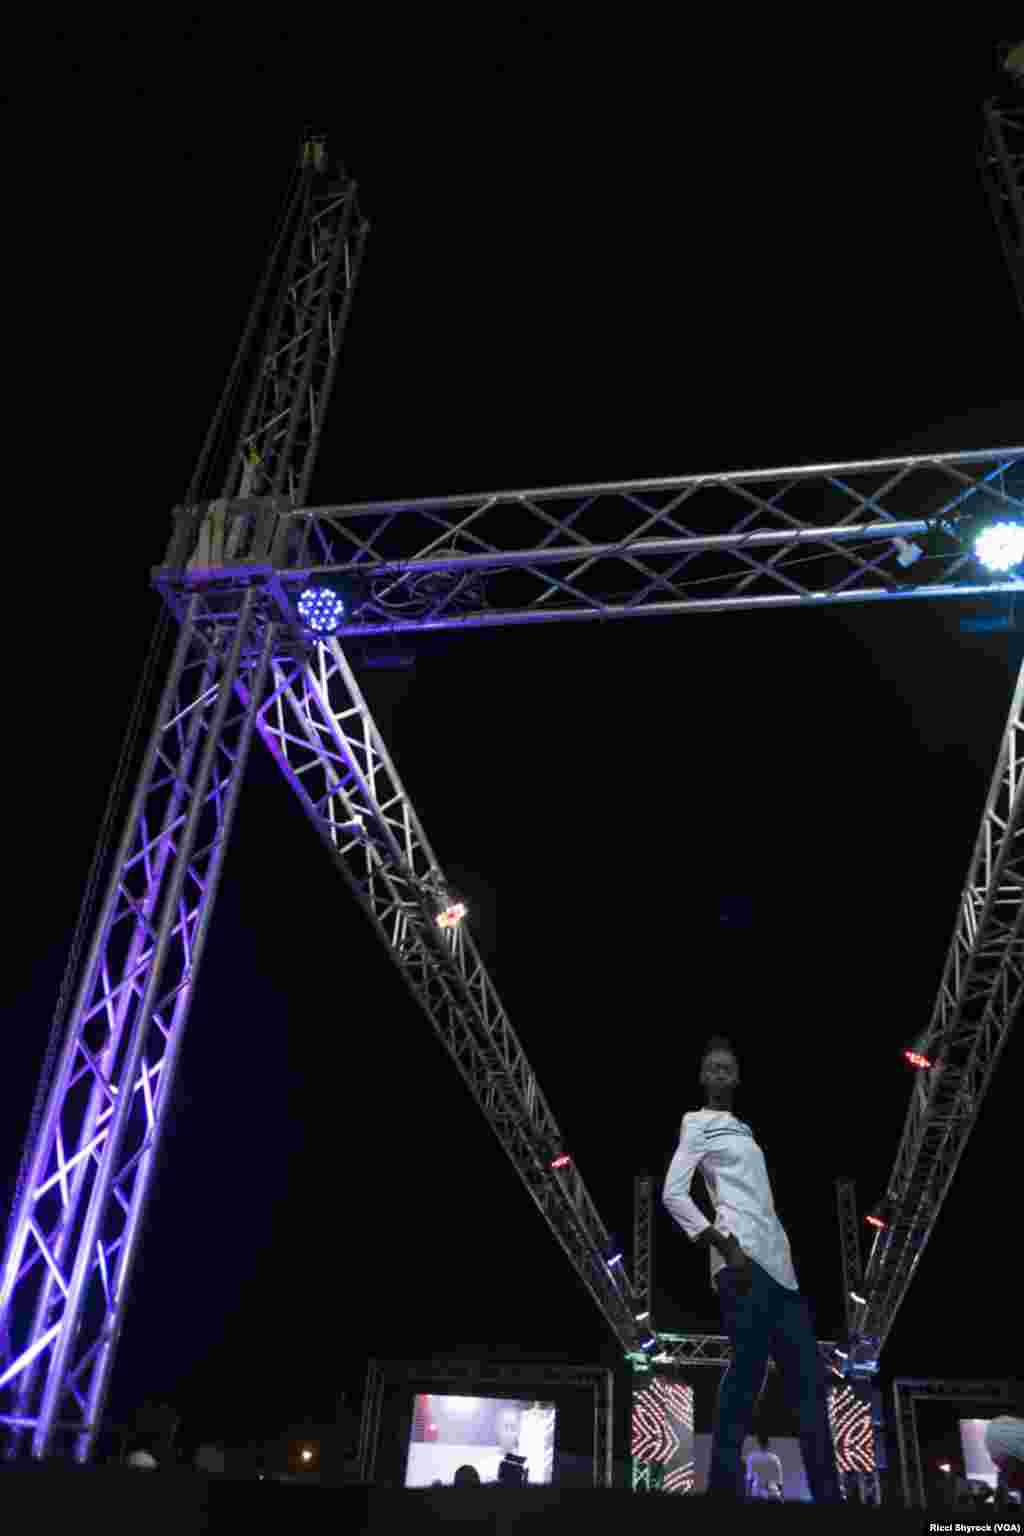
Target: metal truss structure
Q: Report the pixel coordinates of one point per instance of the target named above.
(1001, 164)
(977, 1003)
(704, 1349)
(849, 1244)
(811, 536)
(907, 1393)
(643, 1247)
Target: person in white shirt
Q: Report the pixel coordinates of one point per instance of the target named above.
(141, 1458)
(763, 1312)
(764, 1471)
(509, 1424)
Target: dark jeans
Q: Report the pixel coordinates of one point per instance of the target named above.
(770, 1321)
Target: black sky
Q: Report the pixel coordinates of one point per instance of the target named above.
(593, 256)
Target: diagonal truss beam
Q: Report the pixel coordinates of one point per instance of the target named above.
(280, 433)
(319, 729)
(76, 1227)
(978, 1000)
(267, 442)
(1001, 165)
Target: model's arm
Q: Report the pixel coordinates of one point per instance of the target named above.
(676, 1196)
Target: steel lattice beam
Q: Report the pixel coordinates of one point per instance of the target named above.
(849, 1243)
(1001, 164)
(643, 1247)
(978, 999)
(319, 729)
(281, 429)
(288, 358)
(77, 1223)
(811, 536)
(707, 1349)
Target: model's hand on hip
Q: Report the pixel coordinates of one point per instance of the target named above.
(740, 1263)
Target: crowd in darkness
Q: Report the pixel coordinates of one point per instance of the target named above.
(159, 1439)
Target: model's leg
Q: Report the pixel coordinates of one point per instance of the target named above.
(748, 1327)
(794, 1349)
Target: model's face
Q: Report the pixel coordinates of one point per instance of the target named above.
(508, 1429)
(720, 1074)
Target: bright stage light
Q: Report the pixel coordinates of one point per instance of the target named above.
(321, 609)
(914, 1051)
(452, 916)
(1000, 547)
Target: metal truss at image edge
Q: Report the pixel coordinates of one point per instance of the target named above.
(907, 1393)
(245, 666)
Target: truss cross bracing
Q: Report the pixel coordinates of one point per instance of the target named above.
(807, 536)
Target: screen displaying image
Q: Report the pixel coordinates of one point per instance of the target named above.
(849, 1412)
(479, 1440)
(663, 1434)
(978, 1463)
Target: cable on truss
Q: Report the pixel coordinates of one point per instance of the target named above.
(419, 595)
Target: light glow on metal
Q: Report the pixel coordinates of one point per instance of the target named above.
(451, 916)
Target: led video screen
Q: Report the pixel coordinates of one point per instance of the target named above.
(663, 1434)
(479, 1439)
(978, 1464)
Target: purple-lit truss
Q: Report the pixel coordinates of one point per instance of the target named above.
(77, 1223)
(812, 536)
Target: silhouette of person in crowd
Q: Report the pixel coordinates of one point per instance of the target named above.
(764, 1471)
(152, 1444)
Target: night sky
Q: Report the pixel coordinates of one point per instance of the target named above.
(595, 255)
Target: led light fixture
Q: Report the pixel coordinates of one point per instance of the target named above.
(321, 609)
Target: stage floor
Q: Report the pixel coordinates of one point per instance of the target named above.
(58, 1496)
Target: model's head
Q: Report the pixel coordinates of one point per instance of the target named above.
(508, 1428)
(762, 1441)
(719, 1072)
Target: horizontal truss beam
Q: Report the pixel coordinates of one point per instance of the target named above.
(811, 536)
